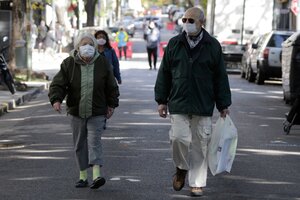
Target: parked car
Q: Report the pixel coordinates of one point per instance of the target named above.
(140, 23)
(246, 55)
(128, 25)
(233, 53)
(265, 59)
(290, 68)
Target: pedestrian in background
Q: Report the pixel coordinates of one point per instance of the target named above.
(34, 34)
(293, 115)
(42, 34)
(106, 50)
(59, 32)
(50, 42)
(152, 37)
(192, 79)
(109, 53)
(86, 78)
(122, 39)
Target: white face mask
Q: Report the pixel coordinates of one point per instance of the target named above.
(151, 26)
(87, 51)
(101, 41)
(190, 28)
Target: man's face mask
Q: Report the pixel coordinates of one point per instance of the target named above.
(190, 28)
(151, 26)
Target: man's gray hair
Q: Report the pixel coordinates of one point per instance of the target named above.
(81, 37)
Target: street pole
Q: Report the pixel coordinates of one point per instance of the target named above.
(99, 13)
(80, 6)
(28, 39)
(243, 21)
(210, 16)
(298, 17)
(53, 17)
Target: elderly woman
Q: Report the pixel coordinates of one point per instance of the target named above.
(87, 79)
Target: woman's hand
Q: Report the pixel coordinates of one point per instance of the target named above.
(57, 106)
(110, 112)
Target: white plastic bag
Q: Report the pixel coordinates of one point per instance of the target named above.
(222, 146)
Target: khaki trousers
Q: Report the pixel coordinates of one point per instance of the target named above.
(189, 137)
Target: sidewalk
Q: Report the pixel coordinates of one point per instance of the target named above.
(9, 101)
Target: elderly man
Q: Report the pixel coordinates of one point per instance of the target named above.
(192, 79)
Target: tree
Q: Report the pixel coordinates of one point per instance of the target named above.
(118, 3)
(90, 10)
(18, 28)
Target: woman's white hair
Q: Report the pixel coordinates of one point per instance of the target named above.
(81, 37)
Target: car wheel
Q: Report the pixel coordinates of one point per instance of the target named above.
(260, 79)
(285, 98)
(243, 73)
(249, 74)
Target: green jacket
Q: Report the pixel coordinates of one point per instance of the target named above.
(90, 89)
(193, 81)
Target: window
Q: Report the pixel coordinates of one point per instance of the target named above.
(276, 40)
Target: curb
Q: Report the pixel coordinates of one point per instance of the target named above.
(13, 103)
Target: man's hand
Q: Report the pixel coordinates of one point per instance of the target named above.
(57, 106)
(162, 110)
(224, 112)
(110, 112)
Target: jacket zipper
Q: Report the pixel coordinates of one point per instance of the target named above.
(190, 83)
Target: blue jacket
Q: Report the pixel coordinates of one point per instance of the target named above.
(121, 38)
(112, 58)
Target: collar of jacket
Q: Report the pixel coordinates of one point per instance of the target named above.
(195, 53)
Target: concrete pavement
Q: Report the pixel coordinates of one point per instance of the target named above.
(9, 101)
(41, 62)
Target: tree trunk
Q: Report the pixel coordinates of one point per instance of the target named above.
(117, 9)
(18, 10)
(90, 10)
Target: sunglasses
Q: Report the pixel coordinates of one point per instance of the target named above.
(190, 20)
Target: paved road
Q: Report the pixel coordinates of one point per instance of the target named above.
(39, 163)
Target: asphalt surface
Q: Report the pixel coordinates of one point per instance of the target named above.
(40, 164)
(37, 159)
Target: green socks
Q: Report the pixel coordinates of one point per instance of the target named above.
(83, 175)
(96, 171)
